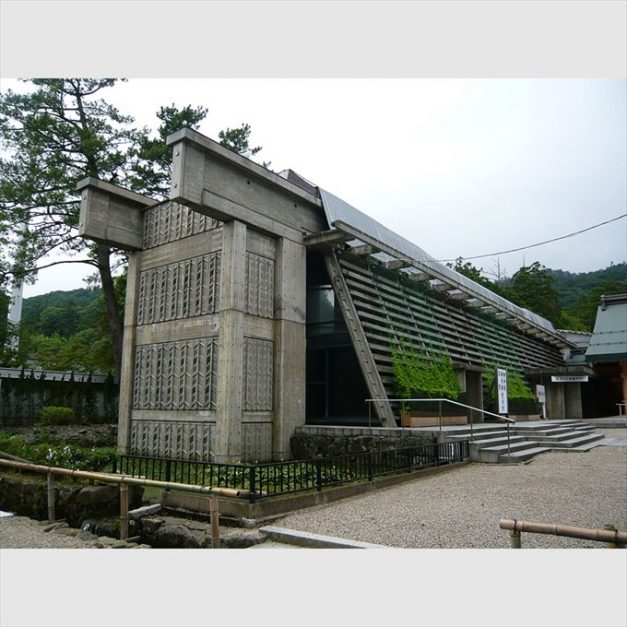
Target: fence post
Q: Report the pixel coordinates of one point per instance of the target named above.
(610, 545)
(215, 521)
(123, 511)
(437, 453)
(115, 464)
(318, 475)
(51, 498)
(251, 481)
(515, 538)
(409, 456)
(167, 472)
(370, 465)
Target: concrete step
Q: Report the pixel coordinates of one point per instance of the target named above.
(555, 436)
(548, 429)
(501, 438)
(581, 448)
(577, 440)
(492, 454)
(521, 456)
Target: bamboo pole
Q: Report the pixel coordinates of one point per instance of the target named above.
(110, 478)
(51, 498)
(123, 511)
(215, 521)
(601, 535)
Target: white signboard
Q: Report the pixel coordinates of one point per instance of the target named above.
(541, 394)
(570, 378)
(501, 386)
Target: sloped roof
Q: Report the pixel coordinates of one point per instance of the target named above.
(609, 338)
(339, 212)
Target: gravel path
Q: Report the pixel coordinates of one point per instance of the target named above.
(461, 508)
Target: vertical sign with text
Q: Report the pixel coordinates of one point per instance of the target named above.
(501, 387)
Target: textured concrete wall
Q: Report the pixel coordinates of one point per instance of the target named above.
(171, 350)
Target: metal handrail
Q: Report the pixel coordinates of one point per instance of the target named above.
(506, 419)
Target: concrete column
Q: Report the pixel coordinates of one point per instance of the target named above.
(474, 395)
(128, 354)
(289, 345)
(230, 385)
(572, 400)
(555, 401)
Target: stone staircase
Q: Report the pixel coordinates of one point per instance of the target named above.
(527, 439)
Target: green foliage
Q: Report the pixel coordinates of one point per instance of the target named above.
(520, 399)
(586, 307)
(574, 286)
(474, 273)
(63, 455)
(535, 288)
(419, 375)
(53, 415)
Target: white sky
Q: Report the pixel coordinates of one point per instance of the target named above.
(459, 167)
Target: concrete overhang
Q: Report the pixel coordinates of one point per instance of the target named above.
(224, 185)
(111, 215)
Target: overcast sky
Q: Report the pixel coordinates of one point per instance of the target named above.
(459, 167)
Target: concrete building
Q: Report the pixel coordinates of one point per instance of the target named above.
(257, 302)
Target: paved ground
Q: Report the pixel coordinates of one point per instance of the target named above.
(460, 508)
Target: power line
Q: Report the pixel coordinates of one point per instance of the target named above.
(548, 241)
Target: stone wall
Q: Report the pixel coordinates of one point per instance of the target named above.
(27, 496)
(310, 442)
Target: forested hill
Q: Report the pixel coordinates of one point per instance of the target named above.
(59, 312)
(573, 286)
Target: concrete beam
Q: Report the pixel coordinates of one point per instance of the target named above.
(419, 277)
(326, 239)
(396, 264)
(457, 295)
(111, 215)
(439, 286)
(363, 250)
(220, 183)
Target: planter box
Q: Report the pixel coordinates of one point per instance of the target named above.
(525, 417)
(426, 419)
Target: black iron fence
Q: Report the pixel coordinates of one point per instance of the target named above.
(279, 478)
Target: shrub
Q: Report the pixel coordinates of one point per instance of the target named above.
(53, 415)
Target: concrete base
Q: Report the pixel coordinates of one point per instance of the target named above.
(276, 506)
(314, 540)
